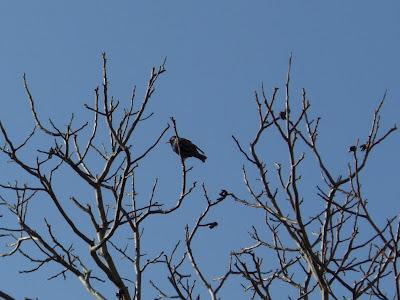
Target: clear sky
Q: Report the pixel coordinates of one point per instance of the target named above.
(346, 54)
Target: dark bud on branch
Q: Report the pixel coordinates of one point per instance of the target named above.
(223, 195)
(212, 225)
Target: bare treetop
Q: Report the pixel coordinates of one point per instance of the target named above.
(338, 250)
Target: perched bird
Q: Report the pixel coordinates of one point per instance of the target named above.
(353, 149)
(364, 147)
(187, 148)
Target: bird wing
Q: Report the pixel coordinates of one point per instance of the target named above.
(187, 145)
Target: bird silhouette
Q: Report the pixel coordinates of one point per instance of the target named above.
(187, 148)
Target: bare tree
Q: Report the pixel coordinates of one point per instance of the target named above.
(115, 181)
(314, 251)
(183, 281)
(323, 249)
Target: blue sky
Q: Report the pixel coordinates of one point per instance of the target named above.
(218, 52)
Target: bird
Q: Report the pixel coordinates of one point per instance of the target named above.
(352, 149)
(364, 147)
(186, 148)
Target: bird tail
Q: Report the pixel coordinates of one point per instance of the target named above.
(201, 157)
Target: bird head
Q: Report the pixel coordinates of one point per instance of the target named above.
(171, 140)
